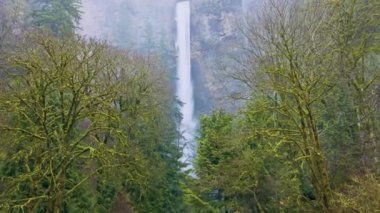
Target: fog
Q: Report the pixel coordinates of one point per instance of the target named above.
(140, 24)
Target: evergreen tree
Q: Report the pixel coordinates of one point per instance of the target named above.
(60, 16)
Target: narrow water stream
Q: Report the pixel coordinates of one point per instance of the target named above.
(184, 83)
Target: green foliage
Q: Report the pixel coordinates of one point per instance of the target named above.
(194, 203)
(77, 116)
(60, 16)
(361, 194)
(87, 128)
(214, 134)
(242, 167)
(307, 138)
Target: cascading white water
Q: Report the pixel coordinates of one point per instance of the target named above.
(184, 83)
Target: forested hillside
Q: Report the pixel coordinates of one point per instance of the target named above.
(92, 124)
(307, 139)
(85, 127)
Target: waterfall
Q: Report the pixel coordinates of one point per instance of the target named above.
(184, 83)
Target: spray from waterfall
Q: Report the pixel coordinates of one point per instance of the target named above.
(184, 83)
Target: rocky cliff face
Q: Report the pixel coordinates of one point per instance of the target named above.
(215, 40)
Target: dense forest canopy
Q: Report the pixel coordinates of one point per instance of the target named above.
(89, 125)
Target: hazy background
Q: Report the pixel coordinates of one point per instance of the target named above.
(140, 24)
(149, 27)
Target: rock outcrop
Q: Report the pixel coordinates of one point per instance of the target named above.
(216, 39)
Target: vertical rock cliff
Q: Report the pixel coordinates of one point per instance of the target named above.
(215, 41)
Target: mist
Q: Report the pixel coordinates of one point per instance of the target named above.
(137, 24)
